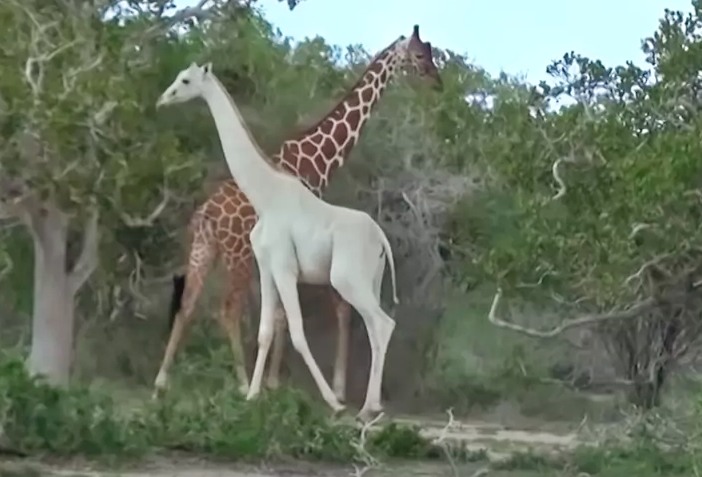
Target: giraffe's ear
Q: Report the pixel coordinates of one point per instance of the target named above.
(207, 68)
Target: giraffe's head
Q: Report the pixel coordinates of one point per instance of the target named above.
(418, 58)
(189, 84)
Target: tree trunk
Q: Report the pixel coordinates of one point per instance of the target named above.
(55, 287)
(53, 314)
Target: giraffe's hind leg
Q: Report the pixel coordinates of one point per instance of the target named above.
(343, 315)
(201, 256)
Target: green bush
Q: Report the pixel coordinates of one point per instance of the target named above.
(36, 417)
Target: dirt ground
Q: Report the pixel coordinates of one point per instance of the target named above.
(498, 441)
(221, 470)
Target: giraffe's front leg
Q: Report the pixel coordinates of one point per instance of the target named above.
(266, 326)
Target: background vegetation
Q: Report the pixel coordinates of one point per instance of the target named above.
(584, 219)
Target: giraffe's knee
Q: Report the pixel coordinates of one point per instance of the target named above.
(265, 334)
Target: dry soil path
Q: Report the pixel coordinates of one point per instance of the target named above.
(497, 441)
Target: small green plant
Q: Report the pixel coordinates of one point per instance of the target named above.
(396, 440)
(640, 458)
(36, 416)
(527, 461)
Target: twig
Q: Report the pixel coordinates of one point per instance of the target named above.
(650, 263)
(441, 441)
(637, 228)
(536, 283)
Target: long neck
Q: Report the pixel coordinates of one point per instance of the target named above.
(247, 164)
(321, 150)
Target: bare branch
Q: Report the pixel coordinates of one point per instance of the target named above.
(200, 12)
(637, 228)
(16, 200)
(650, 263)
(131, 221)
(559, 180)
(632, 312)
(135, 281)
(70, 78)
(7, 266)
(104, 112)
(88, 260)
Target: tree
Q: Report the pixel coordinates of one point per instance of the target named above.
(601, 202)
(80, 142)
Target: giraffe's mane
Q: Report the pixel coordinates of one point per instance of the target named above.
(310, 129)
(272, 164)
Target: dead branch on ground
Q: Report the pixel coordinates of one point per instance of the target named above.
(369, 461)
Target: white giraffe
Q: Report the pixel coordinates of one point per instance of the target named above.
(298, 238)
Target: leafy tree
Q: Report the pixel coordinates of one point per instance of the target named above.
(82, 153)
(599, 201)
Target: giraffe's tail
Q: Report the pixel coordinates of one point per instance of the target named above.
(391, 261)
(176, 298)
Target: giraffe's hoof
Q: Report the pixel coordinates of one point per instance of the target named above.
(341, 397)
(273, 384)
(368, 414)
(243, 389)
(338, 410)
(250, 396)
(156, 395)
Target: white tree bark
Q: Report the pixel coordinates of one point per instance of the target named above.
(54, 292)
(52, 315)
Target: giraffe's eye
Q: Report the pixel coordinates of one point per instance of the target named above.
(186, 81)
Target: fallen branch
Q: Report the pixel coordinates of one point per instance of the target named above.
(369, 461)
(632, 312)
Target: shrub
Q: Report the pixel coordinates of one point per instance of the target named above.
(37, 417)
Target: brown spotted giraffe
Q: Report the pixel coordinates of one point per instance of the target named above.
(221, 225)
